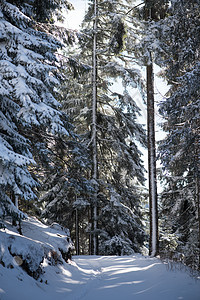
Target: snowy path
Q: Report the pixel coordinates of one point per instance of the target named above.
(101, 278)
(131, 278)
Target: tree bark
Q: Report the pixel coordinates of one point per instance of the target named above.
(153, 208)
(94, 126)
(77, 233)
(198, 213)
(197, 179)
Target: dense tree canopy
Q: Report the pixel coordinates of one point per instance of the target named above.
(30, 113)
(67, 112)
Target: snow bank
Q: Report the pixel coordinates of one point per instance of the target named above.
(38, 243)
(85, 277)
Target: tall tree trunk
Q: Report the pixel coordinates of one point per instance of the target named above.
(197, 179)
(153, 209)
(94, 126)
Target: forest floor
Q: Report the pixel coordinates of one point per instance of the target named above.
(101, 278)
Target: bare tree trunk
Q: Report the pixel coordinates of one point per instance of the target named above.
(153, 206)
(198, 212)
(94, 126)
(77, 233)
(197, 179)
(153, 209)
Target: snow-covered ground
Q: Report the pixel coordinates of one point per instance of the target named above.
(89, 277)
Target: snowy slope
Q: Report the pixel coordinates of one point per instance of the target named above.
(89, 277)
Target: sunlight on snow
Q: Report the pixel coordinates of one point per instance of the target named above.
(66, 272)
(120, 284)
(86, 271)
(125, 269)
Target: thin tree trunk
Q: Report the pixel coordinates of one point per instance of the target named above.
(77, 233)
(198, 211)
(94, 126)
(197, 176)
(90, 231)
(153, 209)
(16, 202)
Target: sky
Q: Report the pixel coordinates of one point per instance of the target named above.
(74, 17)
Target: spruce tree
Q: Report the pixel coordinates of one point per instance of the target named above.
(120, 168)
(150, 12)
(179, 152)
(30, 113)
(145, 47)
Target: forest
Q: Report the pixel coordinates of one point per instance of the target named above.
(71, 136)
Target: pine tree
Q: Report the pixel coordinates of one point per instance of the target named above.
(120, 167)
(64, 185)
(150, 14)
(30, 113)
(94, 125)
(144, 47)
(173, 41)
(179, 151)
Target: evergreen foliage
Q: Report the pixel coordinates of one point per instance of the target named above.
(30, 113)
(43, 156)
(171, 35)
(44, 11)
(120, 168)
(179, 152)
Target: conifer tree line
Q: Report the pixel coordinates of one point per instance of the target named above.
(70, 140)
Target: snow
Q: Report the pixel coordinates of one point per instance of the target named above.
(85, 277)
